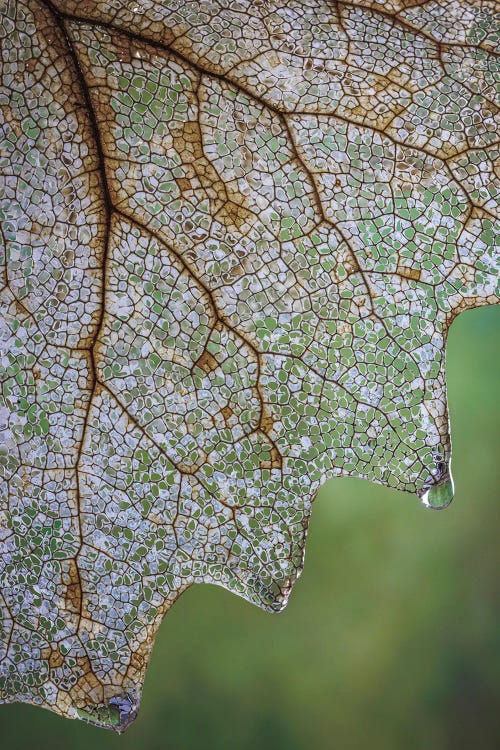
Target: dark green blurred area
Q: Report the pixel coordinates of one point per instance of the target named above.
(390, 640)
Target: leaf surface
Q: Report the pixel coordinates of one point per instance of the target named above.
(234, 239)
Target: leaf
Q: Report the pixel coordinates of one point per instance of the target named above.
(235, 237)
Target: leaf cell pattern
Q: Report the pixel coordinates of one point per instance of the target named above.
(234, 236)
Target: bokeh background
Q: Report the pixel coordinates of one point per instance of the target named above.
(391, 638)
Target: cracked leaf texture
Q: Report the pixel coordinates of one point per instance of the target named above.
(234, 237)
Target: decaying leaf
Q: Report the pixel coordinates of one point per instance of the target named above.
(235, 235)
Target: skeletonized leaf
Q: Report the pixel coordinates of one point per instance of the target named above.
(234, 236)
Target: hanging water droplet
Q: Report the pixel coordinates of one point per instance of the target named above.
(440, 495)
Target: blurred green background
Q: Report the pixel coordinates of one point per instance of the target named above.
(390, 639)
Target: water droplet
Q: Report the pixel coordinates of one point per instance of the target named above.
(440, 495)
(117, 714)
(124, 710)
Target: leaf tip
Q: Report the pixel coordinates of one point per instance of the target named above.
(117, 714)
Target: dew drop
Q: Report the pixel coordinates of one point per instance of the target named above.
(123, 710)
(440, 495)
(117, 714)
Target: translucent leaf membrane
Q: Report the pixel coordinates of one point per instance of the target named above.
(233, 241)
